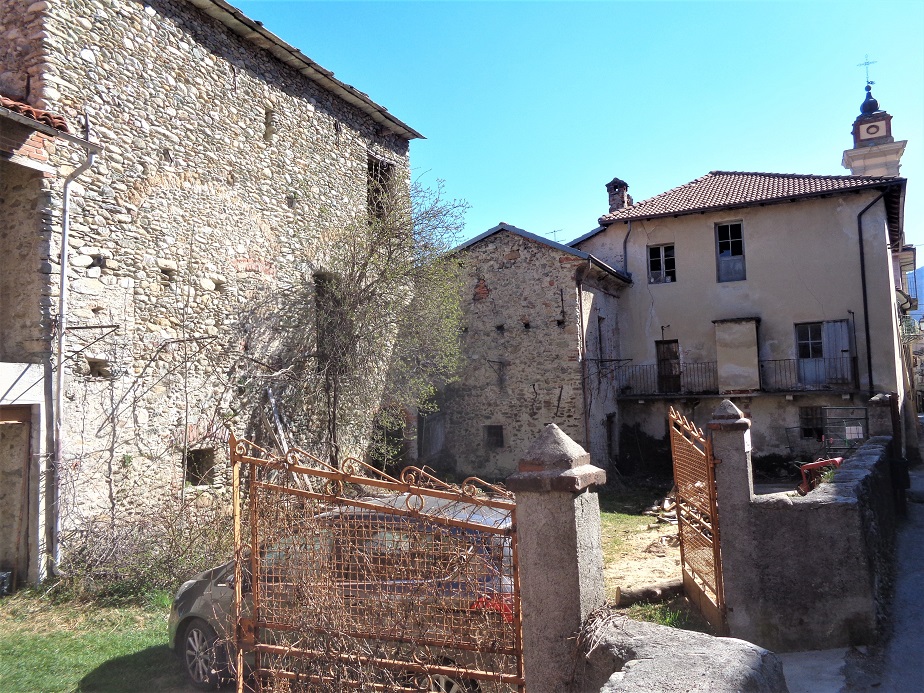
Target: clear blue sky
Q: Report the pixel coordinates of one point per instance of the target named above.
(529, 108)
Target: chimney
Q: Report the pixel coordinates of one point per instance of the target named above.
(618, 191)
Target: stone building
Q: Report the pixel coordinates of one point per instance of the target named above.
(785, 293)
(540, 342)
(220, 160)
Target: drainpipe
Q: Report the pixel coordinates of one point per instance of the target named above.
(584, 373)
(62, 328)
(625, 243)
(866, 328)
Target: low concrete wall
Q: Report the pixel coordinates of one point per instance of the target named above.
(816, 570)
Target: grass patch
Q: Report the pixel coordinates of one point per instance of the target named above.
(48, 647)
(621, 513)
(676, 613)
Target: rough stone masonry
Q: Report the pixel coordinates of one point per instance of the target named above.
(224, 171)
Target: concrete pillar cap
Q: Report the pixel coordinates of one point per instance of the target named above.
(728, 417)
(554, 462)
(553, 449)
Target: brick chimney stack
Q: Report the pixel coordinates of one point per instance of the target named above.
(618, 191)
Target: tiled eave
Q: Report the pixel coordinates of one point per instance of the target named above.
(45, 129)
(252, 31)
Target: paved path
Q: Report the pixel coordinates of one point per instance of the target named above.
(903, 662)
(898, 667)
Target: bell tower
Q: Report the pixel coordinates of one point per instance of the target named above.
(875, 152)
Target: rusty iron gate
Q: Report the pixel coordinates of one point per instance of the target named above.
(351, 579)
(698, 519)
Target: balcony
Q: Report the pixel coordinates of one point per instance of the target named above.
(800, 375)
(910, 329)
(781, 375)
(681, 379)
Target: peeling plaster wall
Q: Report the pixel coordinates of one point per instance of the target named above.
(802, 265)
(223, 172)
(602, 341)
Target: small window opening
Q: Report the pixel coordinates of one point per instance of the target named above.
(499, 328)
(98, 261)
(494, 436)
(99, 368)
(167, 275)
(560, 322)
(166, 156)
(270, 125)
(200, 466)
(379, 187)
(526, 325)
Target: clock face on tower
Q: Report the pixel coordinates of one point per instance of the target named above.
(871, 130)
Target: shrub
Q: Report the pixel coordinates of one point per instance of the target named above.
(119, 559)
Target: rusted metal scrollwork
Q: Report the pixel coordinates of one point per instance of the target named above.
(361, 580)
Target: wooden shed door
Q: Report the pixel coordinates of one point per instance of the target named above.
(15, 451)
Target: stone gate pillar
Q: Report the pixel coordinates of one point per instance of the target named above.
(731, 449)
(560, 554)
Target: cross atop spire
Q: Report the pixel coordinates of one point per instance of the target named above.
(866, 63)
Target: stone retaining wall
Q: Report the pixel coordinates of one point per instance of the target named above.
(813, 572)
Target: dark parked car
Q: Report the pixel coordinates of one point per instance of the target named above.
(369, 558)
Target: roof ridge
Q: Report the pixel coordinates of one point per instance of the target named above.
(798, 175)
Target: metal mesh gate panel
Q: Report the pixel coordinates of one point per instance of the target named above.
(697, 519)
(352, 579)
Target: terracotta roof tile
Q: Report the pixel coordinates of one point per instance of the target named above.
(46, 117)
(720, 189)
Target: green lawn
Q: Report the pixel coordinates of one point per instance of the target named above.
(621, 514)
(51, 648)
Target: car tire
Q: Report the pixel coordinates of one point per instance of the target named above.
(447, 684)
(203, 659)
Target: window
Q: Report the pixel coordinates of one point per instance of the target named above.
(824, 353)
(661, 269)
(811, 422)
(379, 188)
(200, 466)
(729, 252)
(494, 436)
(808, 340)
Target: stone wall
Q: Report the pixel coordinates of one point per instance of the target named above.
(521, 347)
(23, 276)
(812, 572)
(533, 311)
(21, 63)
(224, 172)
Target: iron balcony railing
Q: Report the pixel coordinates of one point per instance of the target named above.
(793, 375)
(909, 328)
(668, 379)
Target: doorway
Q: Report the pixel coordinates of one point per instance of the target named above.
(15, 455)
